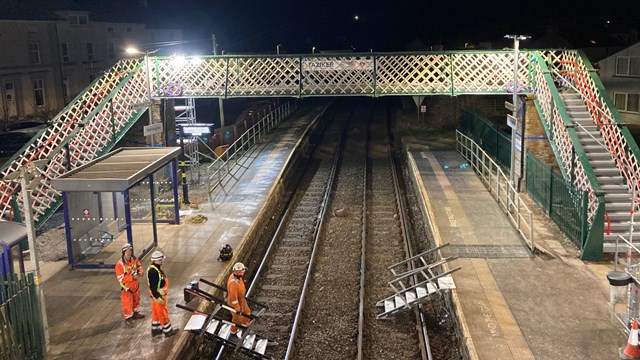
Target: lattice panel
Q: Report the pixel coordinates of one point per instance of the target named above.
(67, 126)
(337, 75)
(264, 76)
(626, 160)
(489, 73)
(188, 77)
(564, 148)
(413, 74)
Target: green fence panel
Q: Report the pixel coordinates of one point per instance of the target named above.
(21, 329)
(561, 201)
(493, 140)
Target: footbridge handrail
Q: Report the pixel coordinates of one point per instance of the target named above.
(90, 125)
(620, 142)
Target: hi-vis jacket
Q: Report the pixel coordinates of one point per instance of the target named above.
(158, 281)
(237, 294)
(126, 271)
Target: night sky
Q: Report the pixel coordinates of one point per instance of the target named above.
(257, 26)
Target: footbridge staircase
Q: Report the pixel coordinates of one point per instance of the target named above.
(595, 151)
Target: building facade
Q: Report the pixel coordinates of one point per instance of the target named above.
(45, 64)
(620, 74)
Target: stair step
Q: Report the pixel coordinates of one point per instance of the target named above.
(596, 156)
(602, 164)
(595, 149)
(611, 180)
(608, 171)
(616, 207)
(615, 188)
(617, 197)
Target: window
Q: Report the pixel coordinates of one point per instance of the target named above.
(38, 92)
(90, 53)
(34, 52)
(628, 66)
(64, 49)
(66, 83)
(78, 19)
(627, 102)
(109, 28)
(111, 50)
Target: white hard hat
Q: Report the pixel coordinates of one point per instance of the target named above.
(239, 267)
(157, 256)
(126, 246)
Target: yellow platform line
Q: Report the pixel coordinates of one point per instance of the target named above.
(507, 324)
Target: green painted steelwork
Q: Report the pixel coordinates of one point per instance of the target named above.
(22, 332)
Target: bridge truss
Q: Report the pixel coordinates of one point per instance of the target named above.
(100, 116)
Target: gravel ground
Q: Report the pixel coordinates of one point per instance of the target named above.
(51, 240)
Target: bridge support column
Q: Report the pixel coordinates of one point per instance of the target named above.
(162, 112)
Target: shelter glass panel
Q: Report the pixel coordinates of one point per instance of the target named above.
(163, 194)
(142, 226)
(93, 222)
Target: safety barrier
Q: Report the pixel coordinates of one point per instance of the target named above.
(557, 197)
(498, 185)
(224, 163)
(21, 333)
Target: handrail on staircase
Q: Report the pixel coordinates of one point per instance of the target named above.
(599, 116)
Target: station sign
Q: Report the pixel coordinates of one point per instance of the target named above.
(196, 129)
(512, 121)
(509, 106)
(152, 129)
(330, 64)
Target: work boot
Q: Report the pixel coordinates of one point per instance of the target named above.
(137, 316)
(155, 332)
(171, 332)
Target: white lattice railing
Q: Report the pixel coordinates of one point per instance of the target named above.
(568, 150)
(579, 74)
(78, 133)
(87, 127)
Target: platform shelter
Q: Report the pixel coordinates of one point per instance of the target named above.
(118, 198)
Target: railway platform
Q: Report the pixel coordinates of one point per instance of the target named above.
(83, 306)
(513, 305)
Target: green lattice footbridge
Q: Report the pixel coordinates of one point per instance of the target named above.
(100, 116)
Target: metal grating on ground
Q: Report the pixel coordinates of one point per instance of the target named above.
(487, 251)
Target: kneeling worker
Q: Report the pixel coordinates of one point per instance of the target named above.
(158, 290)
(237, 298)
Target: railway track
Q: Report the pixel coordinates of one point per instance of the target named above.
(327, 266)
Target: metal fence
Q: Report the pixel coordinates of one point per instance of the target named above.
(224, 163)
(498, 185)
(21, 333)
(489, 137)
(563, 203)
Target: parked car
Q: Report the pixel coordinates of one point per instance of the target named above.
(12, 141)
(28, 127)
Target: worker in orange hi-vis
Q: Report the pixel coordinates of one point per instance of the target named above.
(128, 269)
(158, 291)
(237, 298)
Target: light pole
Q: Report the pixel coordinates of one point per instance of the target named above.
(313, 50)
(278, 49)
(516, 44)
(29, 177)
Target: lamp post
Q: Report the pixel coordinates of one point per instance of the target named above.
(278, 49)
(516, 44)
(29, 177)
(313, 50)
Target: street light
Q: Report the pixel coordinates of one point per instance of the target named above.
(278, 49)
(313, 50)
(29, 177)
(516, 43)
